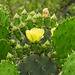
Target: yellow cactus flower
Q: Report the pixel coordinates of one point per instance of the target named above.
(34, 35)
(46, 12)
(52, 30)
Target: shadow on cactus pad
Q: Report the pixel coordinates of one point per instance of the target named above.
(37, 65)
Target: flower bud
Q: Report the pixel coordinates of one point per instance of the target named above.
(46, 13)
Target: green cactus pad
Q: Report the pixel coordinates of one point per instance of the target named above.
(37, 65)
(4, 34)
(4, 49)
(6, 68)
(63, 40)
(4, 17)
(69, 65)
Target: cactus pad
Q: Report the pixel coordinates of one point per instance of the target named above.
(6, 68)
(37, 65)
(63, 40)
(69, 65)
(4, 34)
(4, 49)
(4, 17)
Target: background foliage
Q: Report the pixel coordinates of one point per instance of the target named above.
(62, 8)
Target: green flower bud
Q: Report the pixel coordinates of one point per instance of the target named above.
(18, 46)
(32, 13)
(9, 55)
(47, 43)
(26, 46)
(22, 25)
(39, 15)
(12, 41)
(54, 17)
(16, 16)
(43, 46)
(35, 16)
(14, 28)
(24, 12)
(29, 18)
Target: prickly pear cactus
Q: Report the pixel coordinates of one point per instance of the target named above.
(32, 39)
(32, 20)
(69, 66)
(63, 40)
(4, 17)
(7, 68)
(36, 21)
(37, 65)
(4, 49)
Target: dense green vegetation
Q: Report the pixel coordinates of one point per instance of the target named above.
(37, 37)
(62, 8)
